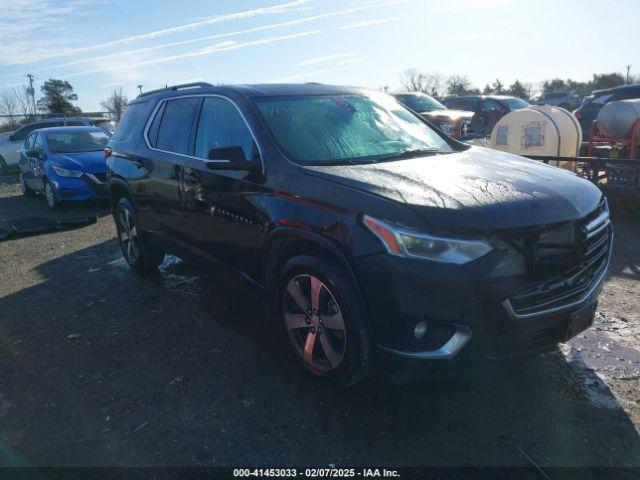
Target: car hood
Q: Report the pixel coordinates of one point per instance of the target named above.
(453, 115)
(88, 162)
(477, 189)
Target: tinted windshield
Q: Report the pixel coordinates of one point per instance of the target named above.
(324, 129)
(420, 103)
(515, 103)
(79, 141)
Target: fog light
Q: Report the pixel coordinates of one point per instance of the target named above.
(419, 330)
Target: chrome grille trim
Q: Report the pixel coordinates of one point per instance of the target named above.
(597, 236)
(593, 288)
(597, 224)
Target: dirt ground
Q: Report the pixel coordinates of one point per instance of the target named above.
(99, 366)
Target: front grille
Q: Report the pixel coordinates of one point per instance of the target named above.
(589, 262)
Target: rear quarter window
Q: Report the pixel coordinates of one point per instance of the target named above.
(131, 117)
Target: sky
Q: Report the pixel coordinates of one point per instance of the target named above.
(99, 45)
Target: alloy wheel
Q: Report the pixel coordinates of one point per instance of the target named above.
(314, 323)
(128, 234)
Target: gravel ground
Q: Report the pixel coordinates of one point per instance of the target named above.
(99, 366)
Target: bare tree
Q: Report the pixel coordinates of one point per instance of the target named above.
(460, 85)
(9, 106)
(413, 80)
(25, 103)
(116, 103)
(17, 104)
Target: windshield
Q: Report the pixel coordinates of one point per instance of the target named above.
(78, 141)
(330, 129)
(420, 103)
(515, 103)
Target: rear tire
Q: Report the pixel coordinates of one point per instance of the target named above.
(331, 335)
(137, 250)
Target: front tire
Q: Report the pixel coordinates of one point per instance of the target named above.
(3, 165)
(50, 195)
(325, 320)
(139, 253)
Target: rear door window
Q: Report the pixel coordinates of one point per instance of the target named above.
(221, 127)
(175, 126)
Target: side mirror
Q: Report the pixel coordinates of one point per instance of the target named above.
(36, 154)
(231, 158)
(12, 138)
(232, 154)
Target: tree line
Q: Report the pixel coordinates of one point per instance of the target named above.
(439, 86)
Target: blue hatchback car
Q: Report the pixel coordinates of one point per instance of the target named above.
(65, 164)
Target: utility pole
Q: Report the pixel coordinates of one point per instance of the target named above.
(628, 69)
(140, 87)
(32, 92)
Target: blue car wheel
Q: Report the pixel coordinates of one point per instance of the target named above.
(50, 194)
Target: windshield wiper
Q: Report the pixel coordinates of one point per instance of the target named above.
(408, 154)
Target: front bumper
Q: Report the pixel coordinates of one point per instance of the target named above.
(470, 325)
(87, 187)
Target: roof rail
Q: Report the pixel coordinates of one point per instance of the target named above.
(183, 86)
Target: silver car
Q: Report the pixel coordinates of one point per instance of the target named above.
(11, 142)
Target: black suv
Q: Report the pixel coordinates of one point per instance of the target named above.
(382, 241)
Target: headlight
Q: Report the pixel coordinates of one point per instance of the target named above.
(64, 172)
(404, 243)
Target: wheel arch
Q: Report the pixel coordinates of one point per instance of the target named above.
(117, 190)
(284, 243)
